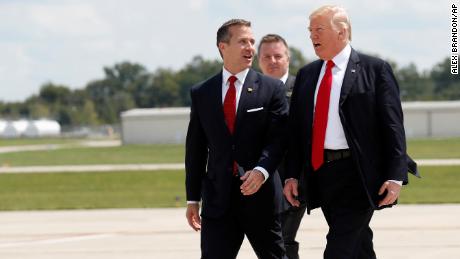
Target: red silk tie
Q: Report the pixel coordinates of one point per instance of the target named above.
(230, 104)
(320, 120)
(230, 111)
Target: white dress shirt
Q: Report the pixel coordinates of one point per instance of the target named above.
(335, 136)
(285, 77)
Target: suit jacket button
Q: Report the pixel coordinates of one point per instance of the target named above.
(233, 147)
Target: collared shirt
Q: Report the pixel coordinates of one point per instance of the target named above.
(335, 136)
(241, 76)
(285, 77)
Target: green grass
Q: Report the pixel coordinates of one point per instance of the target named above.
(418, 149)
(439, 184)
(37, 141)
(434, 148)
(131, 154)
(92, 190)
(149, 189)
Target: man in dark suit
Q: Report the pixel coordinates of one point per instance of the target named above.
(233, 147)
(347, 136)
(273, 53)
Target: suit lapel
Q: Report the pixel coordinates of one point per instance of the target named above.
(353, 69)
(248, 93)
(215, 102)
(311, 88)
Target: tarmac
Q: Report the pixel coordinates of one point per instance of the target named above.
(402, 232)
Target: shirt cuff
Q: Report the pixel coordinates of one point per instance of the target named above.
(396, 182)
(192, 202)
(263, 171)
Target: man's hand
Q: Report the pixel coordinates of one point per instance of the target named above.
(193, 216)
(290, 191)
(393, 190)
(253, 180)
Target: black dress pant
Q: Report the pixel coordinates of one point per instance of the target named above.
(221, 238)
(347, 210)
(290, 222)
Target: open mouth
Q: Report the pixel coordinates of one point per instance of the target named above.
(316, 45)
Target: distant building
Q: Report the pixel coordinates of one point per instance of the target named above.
(15, 129)
(432, 119)
(42, 128)
(169, 125)
(154, 126)
(29, 128)
(3, 124)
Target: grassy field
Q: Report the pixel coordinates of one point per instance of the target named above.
(132, 154)
(92, 190)
(437, 185)
(165, 189)
(432, 148)
(37, 141)
(148, 189)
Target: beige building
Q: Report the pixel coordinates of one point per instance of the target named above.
(154, 126)
(432, 119)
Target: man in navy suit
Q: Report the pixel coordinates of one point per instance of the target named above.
(233, 147)
(347, 136)
(273, 53)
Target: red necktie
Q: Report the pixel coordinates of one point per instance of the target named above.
(320, 120)
(230, 111)
(230, 104)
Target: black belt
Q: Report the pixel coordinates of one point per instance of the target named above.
(332, 155)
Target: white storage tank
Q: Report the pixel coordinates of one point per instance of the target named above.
(43, 128)
(3, 124)
(15, 129)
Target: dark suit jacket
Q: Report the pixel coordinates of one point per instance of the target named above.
(371, 115)
(257, 141)
(289, 86)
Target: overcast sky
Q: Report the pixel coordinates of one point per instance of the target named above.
(69, 42)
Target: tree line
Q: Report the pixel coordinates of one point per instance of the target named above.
(128, 85)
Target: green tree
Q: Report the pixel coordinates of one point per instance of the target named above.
(197, 70)
(51, 93)
(446, 85)
(118, 91)
(414, 85)
(297, 60)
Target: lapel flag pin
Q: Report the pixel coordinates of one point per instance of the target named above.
(249, 89)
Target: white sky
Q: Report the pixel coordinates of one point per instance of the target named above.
(69, 42)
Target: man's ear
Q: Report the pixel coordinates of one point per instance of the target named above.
(222, 46)
(343, 34)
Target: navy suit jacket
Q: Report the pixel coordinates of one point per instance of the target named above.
(257, 141)
(371, 115)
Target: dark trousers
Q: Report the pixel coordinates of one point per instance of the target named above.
(347, 211)
(221, 238)
(290, 222)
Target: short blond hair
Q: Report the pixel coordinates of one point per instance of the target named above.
(340, 18)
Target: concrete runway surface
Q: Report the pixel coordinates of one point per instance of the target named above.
(403, 232)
